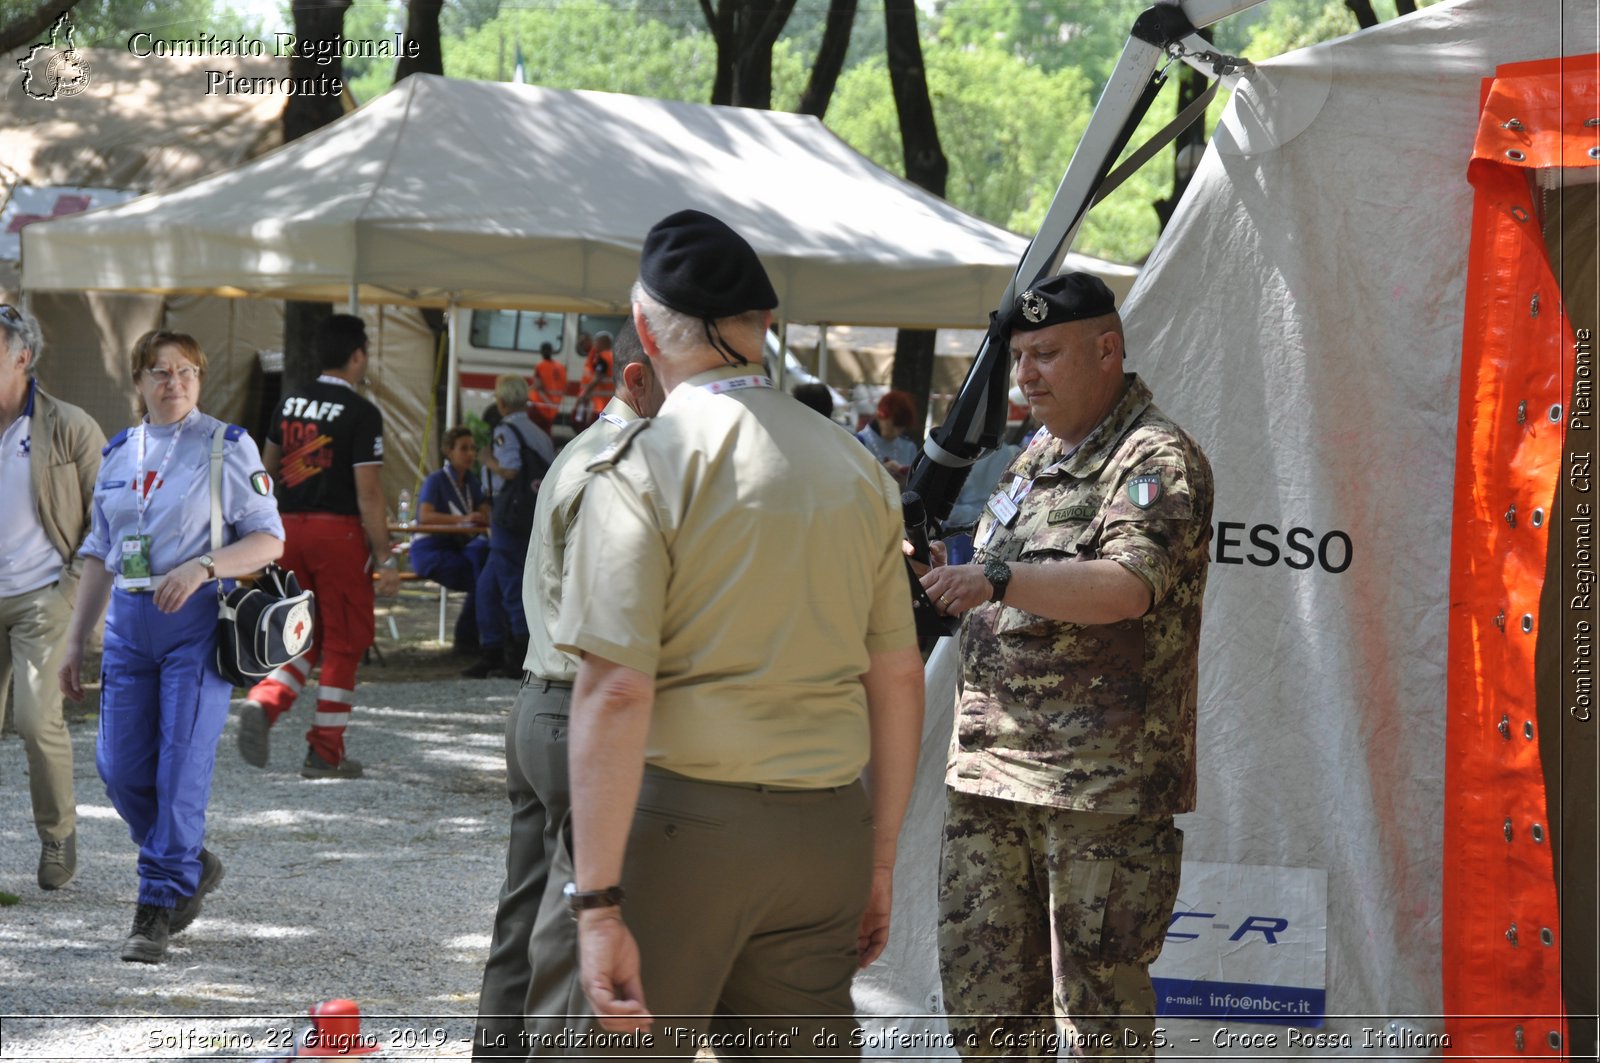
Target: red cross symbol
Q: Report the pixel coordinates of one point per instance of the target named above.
(300, 629)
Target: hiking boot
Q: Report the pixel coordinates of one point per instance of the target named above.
(492, 663)
(253, 741)
(187, 910)
(148, 942)
(317, 768)
(58, 862)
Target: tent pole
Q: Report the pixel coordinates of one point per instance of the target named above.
(822, 353)
(452, 386)
(354, 303)
(783, 350)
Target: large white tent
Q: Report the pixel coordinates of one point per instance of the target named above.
(1303, 317)
(505, 196)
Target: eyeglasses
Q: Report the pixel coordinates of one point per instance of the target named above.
(10, 313)
(187, 374)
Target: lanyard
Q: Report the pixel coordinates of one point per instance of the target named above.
(466, 502)
(142, 489)
(737, 383)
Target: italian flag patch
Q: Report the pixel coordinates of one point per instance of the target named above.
(261, 482)
(1144, 490)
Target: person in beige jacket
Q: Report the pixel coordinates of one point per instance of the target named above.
(49, 453)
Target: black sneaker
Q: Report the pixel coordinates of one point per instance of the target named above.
(317, 768)
(148, 942)
(187, 910)
(491, 663)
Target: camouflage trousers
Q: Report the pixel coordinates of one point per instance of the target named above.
(1049, 920)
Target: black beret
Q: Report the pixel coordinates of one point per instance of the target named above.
(1060, 299)
(695, 264)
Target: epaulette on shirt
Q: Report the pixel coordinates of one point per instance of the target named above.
(114, 442)
(233, 433)
(608, 457)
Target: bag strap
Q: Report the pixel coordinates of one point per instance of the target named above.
(526, 449)
(217, 438)
(216, 486)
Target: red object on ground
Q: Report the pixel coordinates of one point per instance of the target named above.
(336, 1031)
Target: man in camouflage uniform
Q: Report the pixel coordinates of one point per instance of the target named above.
(1075, 725)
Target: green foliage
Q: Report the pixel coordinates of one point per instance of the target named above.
(1004, 125)
(109, 23)
(585, 44)
(370, 20)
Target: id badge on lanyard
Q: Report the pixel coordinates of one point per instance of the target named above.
(1004, 506)
(134, 561)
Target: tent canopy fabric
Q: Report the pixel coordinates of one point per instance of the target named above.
(515, 196)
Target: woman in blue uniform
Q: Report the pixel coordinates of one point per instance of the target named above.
(451, 495)
(162, 701)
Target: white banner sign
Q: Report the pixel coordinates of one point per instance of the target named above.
(1246, 944)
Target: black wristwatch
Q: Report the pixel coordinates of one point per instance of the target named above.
(998, 573)
(582, 900)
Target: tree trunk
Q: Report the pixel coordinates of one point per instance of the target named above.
(314, 20)
(30, 27)
(926, 167)
(830, 58)
(745, 32)
(1365, 16)
(1404, 7)
(422, 26)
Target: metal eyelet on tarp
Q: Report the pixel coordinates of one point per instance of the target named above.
(1546, 937)
(1511, 123)
(1511, 935)
(1520, 214)
(1554, 1039)
(1594, 153)
(1533, 305)
(1555, 414)
(1527, 622)
(1538, 518)
(1527, 730)
(1504, 727)
(1522, 412)
(1508, 828)
(1514, 155)
(1537, 830)
(1511, 515)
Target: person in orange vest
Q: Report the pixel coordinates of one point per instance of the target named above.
(599, 375)
(549, 388)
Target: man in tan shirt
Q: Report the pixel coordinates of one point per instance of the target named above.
(738, 596)
(515, 984)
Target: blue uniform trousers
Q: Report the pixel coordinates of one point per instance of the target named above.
(459, 569)
(500, 587)
(162, 707)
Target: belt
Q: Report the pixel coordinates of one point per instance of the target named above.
(545, 685)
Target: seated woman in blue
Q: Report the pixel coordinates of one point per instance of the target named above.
(888, 434)
(162, 701)
(452, 495)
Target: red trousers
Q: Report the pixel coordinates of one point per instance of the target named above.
(328, 555)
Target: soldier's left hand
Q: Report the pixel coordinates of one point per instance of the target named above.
(956, 588)
(176, 586)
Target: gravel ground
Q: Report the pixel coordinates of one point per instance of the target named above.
(381, 889)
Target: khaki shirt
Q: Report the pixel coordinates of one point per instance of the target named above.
(746, 553)
(1094, 717)
(560, 495)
